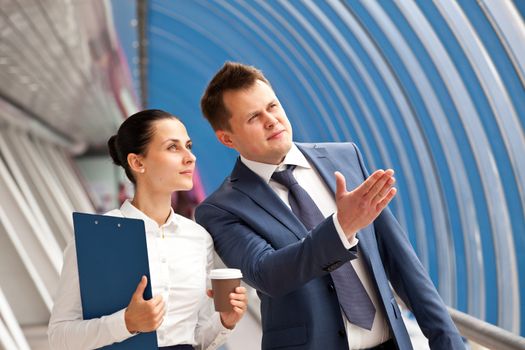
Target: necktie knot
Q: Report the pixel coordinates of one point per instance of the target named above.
(285, 177)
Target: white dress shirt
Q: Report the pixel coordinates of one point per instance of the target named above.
(311, 181)
(180, 255)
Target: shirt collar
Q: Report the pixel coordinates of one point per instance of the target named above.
(265, 171)
(128, 210)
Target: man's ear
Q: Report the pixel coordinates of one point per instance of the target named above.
(224, 137)
(135, 163)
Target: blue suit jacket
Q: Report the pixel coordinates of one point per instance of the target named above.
(255, 231)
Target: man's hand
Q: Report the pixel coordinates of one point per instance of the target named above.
(144, 315)
(358, 208)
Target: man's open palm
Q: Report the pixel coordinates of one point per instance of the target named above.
(358, 208)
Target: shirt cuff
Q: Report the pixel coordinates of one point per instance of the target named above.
(219, 326)
(221, 331)
(117, 326)
(341, 233)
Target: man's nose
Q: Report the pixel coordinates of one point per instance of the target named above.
(270, 120)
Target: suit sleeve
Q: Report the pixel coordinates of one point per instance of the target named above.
(405, 272)
(274, 272)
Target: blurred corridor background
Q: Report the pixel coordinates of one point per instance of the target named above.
(432, 89)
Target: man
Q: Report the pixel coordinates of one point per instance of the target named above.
(320, 257)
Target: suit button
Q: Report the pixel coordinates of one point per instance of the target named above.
(341, 333)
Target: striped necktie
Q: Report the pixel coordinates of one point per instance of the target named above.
(352, 296)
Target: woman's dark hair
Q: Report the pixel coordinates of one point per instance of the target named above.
(133, 136)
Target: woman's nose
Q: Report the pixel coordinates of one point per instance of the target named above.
(190, 157)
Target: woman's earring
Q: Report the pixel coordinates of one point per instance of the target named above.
(142, 170)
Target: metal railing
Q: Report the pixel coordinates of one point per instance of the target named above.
(486, 334)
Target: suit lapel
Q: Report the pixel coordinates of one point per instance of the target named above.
(367, 246)
(249, 183)
(318, 157)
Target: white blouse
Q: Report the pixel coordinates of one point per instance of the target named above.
(180, 255)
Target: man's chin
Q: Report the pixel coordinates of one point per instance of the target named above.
(283, 151)
(287, 146)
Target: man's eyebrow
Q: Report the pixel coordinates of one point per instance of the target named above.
(252, 113)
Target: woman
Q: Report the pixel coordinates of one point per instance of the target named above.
(154, 149)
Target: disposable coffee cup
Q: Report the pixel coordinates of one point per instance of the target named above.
(224, 282)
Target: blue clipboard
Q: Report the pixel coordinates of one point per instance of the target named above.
(112, 256)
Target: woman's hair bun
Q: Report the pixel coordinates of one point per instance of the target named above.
(112, 146)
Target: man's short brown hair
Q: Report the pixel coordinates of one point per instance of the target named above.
(232, 76)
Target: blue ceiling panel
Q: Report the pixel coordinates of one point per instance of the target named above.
(434, 90)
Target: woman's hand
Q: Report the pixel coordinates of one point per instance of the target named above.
(144, 315)
(239, 301)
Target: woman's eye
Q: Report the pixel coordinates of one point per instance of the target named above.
(173, 147)
(189, 146)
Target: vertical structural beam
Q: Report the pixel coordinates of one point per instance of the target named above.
(10, 328)
(142, 15)
(66, 177)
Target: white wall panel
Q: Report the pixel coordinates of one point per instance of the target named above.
(11, 324)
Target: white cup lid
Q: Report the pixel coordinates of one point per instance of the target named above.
(224, 274)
